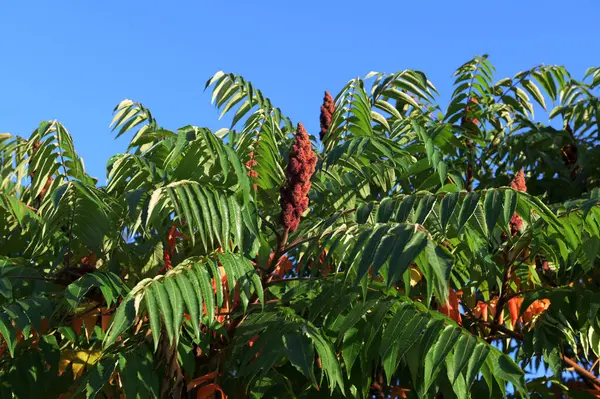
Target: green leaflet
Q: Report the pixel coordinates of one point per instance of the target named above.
(137, 373)
(505, 369)
(494, 202)
(198, 221)
(462, 353)
(99, 376)
(385, 210)
(176, 306)
(214, 214)
(235, 213)
(329, 361)
(300, 352)
(476, 361)
(351, 348)
(366, 257)
(190, 297)
(9, 333)
(216, 276)
(405, 208)
(405, 253)
(363, 213)
(424, 208)
(110, 286)
(395, 327)
(383, 252)
(355, 315)
(187, 213)
(439, 264)
(437, 354)
(207, 293)
(123, 319)
(467, 209)
(197, 318)
(458, 381)
(163, 301)
(153, 316)
(447, 208)
(510, 204)
(402, 343)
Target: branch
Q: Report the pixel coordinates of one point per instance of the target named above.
(286, 280)
(504, 296)
(591, 378)
(582, 372)
(31, 278)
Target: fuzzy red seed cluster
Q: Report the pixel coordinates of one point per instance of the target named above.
(250, 166)
(468, 111)
(301, 166)
(327, 110)
(518, 183)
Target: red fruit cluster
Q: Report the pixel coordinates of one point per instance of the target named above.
(468, 111)
(250, 165)
(327, 110)
(518, 184)
(172, 237)
(46, 186)
(301, 166)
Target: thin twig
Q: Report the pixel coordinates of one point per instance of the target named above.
(31, 278)
(504, 296)
(285, 280)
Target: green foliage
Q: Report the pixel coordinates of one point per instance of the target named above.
(418, 270)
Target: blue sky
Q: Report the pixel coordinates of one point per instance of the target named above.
(75, 60)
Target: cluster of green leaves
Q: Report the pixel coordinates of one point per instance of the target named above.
(185, 284)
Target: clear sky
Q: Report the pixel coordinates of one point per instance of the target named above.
(75, 60)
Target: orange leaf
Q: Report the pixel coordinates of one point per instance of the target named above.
(399, 392)
(481, 310)
(43, 325)
(76, 324)
(535, 309)
(197, 381)
(106, 319)
(514, 305)
(208, 391)
(89, 322)
(252, 340)
(492, 308)
(451, 308)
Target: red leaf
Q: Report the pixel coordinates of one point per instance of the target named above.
(451, 308)
(200, 380)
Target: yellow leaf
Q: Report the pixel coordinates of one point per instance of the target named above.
(415, 276)
(78, 360)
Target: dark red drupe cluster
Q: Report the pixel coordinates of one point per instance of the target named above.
(301, 166)
(469, 111)
(250, 166)
(327, 110)
(518, 183)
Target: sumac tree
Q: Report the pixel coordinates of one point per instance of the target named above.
(422, 251)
